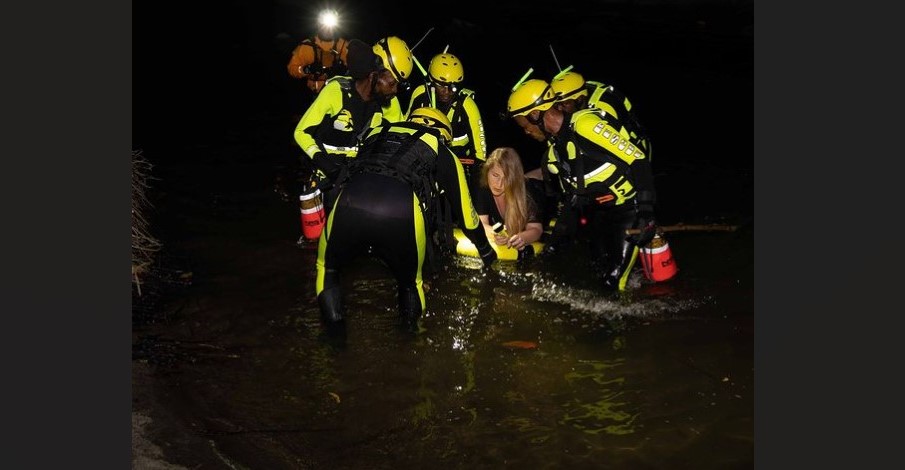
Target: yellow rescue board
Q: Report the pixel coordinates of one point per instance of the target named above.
(465, 247)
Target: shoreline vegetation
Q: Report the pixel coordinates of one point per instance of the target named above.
(144, 244)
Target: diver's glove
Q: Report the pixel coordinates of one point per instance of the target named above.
(328, 167)
(313, 69)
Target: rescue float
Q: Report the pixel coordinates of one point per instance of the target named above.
(465, 247)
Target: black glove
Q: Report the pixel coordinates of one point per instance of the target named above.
(644, 221)
(526, 253)
(327, 165)
(313, 69)
(318, 180)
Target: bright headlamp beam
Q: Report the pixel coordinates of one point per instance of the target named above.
(328, 19)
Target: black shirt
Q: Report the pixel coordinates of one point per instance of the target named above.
(484, 205)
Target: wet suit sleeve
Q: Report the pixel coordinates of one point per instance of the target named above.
(479, 199)
(326, 105)
(454, 185)
(302, 56)
(475, 129)
(602, 134)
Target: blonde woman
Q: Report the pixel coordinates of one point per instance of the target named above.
(503, 198)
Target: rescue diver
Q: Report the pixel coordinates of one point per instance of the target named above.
(387, 205)
(602, 174)
(319, 58)
(443, 90)
(331, 129)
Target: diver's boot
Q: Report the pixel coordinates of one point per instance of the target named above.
(409, 309)
(611, 281)
(330, 303)
(617, 276)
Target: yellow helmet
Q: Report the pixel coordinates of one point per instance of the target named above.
(432, 117)
(446, 69)
(530, 95)
(568, 86)
(396, 56)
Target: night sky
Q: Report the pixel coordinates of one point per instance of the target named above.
(686, 65)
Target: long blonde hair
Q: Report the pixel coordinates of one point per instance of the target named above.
(514, 193)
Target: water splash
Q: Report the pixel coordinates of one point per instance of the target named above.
(609, 305)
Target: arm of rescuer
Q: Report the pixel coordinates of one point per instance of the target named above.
(302, 56)
(452, 181)
(556, 172)
(611, 141)
(326, 105)
(639, 171)
(476, 137)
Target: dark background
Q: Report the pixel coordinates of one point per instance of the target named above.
(214, 107)
(82, 65)
(215, 68)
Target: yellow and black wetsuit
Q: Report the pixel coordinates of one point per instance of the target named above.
(608, 179)
(331, 129)
(469, 143)
(387, 204)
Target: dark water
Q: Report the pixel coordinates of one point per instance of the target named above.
(659, 377)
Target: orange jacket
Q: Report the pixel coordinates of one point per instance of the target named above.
(321, 56)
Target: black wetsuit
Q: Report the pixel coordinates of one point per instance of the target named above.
(388, 204)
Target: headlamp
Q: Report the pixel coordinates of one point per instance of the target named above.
(328, 19)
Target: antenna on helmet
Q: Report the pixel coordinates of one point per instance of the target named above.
(558, 67)
(446, 48)
(422, 39)
(420, 67)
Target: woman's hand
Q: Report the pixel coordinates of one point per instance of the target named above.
(531, 234)
(500, 240)
(516, 241)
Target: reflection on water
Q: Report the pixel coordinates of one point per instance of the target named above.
(606, 414)
(513, 367)
(524, 365)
